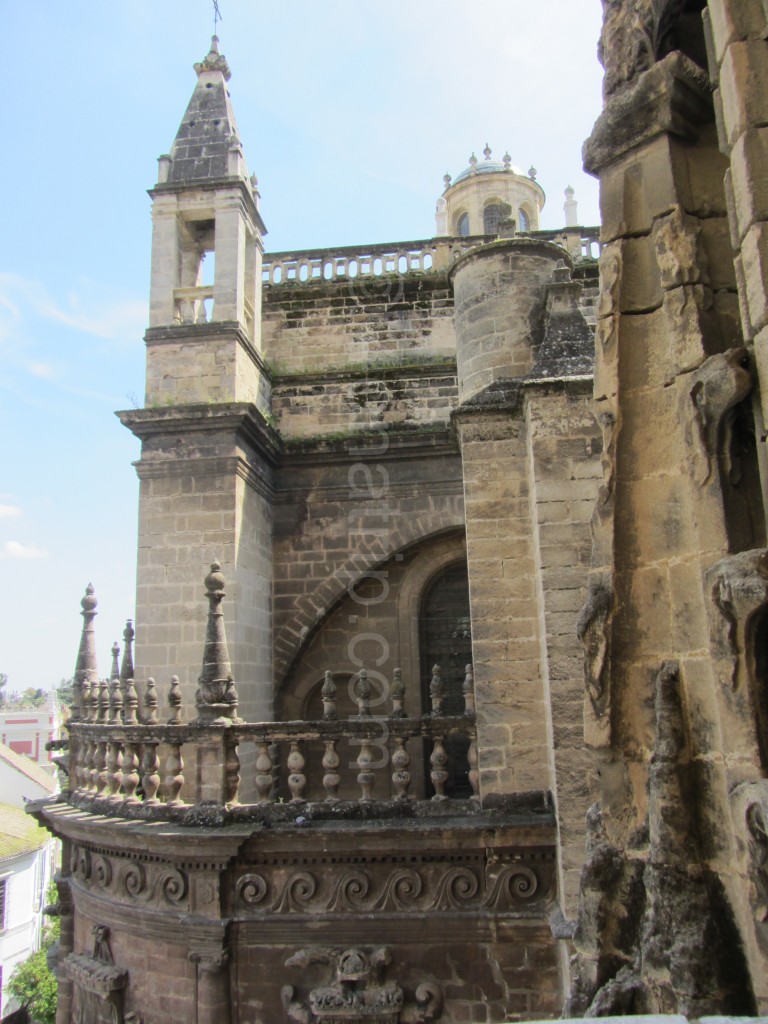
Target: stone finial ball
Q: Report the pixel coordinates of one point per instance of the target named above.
(88, 602)
(214, 580)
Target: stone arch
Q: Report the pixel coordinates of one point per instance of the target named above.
(311, 609)
(410, 568)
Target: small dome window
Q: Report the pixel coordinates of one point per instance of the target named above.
(462, 226)
(492, 218)
(523, 221)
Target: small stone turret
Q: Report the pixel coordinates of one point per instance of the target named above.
(207, 230)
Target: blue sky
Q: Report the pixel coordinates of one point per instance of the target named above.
(350, 114)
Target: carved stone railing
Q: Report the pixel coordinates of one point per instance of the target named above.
(123, 761)
(171, 769)
(580, 242)
(322, 265)
(193, 305)
(317, 266)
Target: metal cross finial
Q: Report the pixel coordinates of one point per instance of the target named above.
(216, 16)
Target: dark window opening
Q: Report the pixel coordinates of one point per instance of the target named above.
(492, 218)
(445, 639)
(462, 226)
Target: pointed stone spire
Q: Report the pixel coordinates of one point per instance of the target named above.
(207, 145)
(86, 668)
(216, 695)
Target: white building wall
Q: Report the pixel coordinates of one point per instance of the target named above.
(26, 878)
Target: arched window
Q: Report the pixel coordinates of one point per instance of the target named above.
(445, 639)
(462, 226)
(492, 218)
(523, 223)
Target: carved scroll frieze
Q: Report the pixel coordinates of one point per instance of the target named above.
(504, 886)
(356, 990)
(131, 880)
(713, 391)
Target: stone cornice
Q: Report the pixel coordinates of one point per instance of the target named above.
(672, 96)
(242, 418)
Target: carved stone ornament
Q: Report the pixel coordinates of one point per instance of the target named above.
(716, 387)
(98, 982)
(356, 991)
(739, 588)
(635, 34)
(592, 629)
(750, 805)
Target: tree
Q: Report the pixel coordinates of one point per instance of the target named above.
(3, 681)
(32, 985)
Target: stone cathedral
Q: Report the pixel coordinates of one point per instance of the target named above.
(446, 697)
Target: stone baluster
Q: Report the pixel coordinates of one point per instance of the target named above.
(116, 700)
(103, 712)
(174, 701)
(174, 775)
(150, 702)
(231, 771)
(473, 774)
(363, 694)
(130, 773)
(95, 701)
(114, 770)
(131, 703)
(216, 694)
(468, 692)
(436, 691)
(328, 693)
(397, 692)
(331, 779)
(93, 781)
(438, 760)
(365, 776)
(86, 668)
(264, 776)
(85, 699)
(297, 780)
(101, 781)
(150, 777)
(401, 777)
(87, 770)
(126, 666)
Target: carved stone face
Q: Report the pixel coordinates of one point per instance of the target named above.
(353, 966)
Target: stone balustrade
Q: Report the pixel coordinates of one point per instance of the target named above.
(322, 265)
(193, 305)
(311, 266)
(125, 761)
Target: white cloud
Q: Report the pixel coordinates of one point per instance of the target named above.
(44, 370)
(9, 511)
(12, 549)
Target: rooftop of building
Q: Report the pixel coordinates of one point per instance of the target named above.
(19, 834)
(23, 764)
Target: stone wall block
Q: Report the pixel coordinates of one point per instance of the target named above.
(761, 363)
(734, 21)
(747, 327)
(641, 279)
(754, 255)
(750, 187)
(744, 87)
(733, 222)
